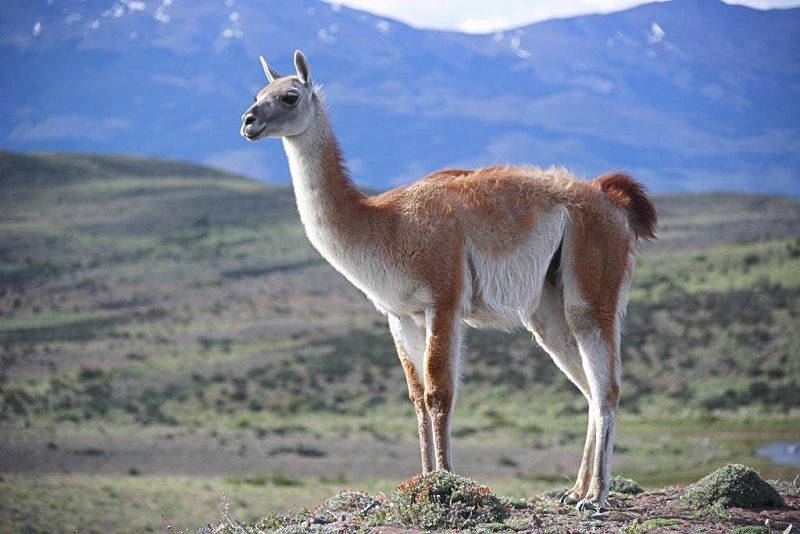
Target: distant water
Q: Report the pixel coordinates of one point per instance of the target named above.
(782, 452)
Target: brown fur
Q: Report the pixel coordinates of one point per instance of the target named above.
(416, 392)
(631, 195)
(440, 377)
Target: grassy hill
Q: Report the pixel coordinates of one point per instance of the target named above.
(164, 319)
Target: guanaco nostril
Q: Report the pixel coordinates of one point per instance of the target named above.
(249, 119)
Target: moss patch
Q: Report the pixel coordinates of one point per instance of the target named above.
(444, 500)
(732, 485)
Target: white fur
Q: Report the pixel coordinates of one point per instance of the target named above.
(503, 292)
(387, 288)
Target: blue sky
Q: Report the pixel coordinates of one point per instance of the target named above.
(480, 16)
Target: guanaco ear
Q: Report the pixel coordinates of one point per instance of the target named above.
(303, 70)
(271, 73)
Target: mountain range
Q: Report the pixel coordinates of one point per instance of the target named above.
(688, 95)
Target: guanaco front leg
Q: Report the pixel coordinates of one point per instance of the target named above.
(409, 339)
(443, 345)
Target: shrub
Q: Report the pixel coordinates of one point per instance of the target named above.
(732, 485)
(350, 502)
(444, 500)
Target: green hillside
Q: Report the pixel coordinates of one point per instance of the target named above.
(151, 298)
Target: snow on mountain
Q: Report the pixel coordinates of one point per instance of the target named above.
(687, 94)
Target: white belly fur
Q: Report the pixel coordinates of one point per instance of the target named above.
(505, 290)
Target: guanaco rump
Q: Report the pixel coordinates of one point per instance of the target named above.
(501, 247)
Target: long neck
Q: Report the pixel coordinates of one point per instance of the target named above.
(331, 208)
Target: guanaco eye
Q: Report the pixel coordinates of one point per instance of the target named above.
(290, 99)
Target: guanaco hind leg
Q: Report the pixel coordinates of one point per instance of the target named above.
(587, 350)
(604, 385)
(581, 357)
(549, 326)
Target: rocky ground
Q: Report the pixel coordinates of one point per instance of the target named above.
(432, 504)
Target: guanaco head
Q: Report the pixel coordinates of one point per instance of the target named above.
(285, 106)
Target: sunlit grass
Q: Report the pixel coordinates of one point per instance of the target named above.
(725, 268)
(655, 453)
(152, 503)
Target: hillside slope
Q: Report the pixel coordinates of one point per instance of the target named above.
(159, 320)
(202, 271)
